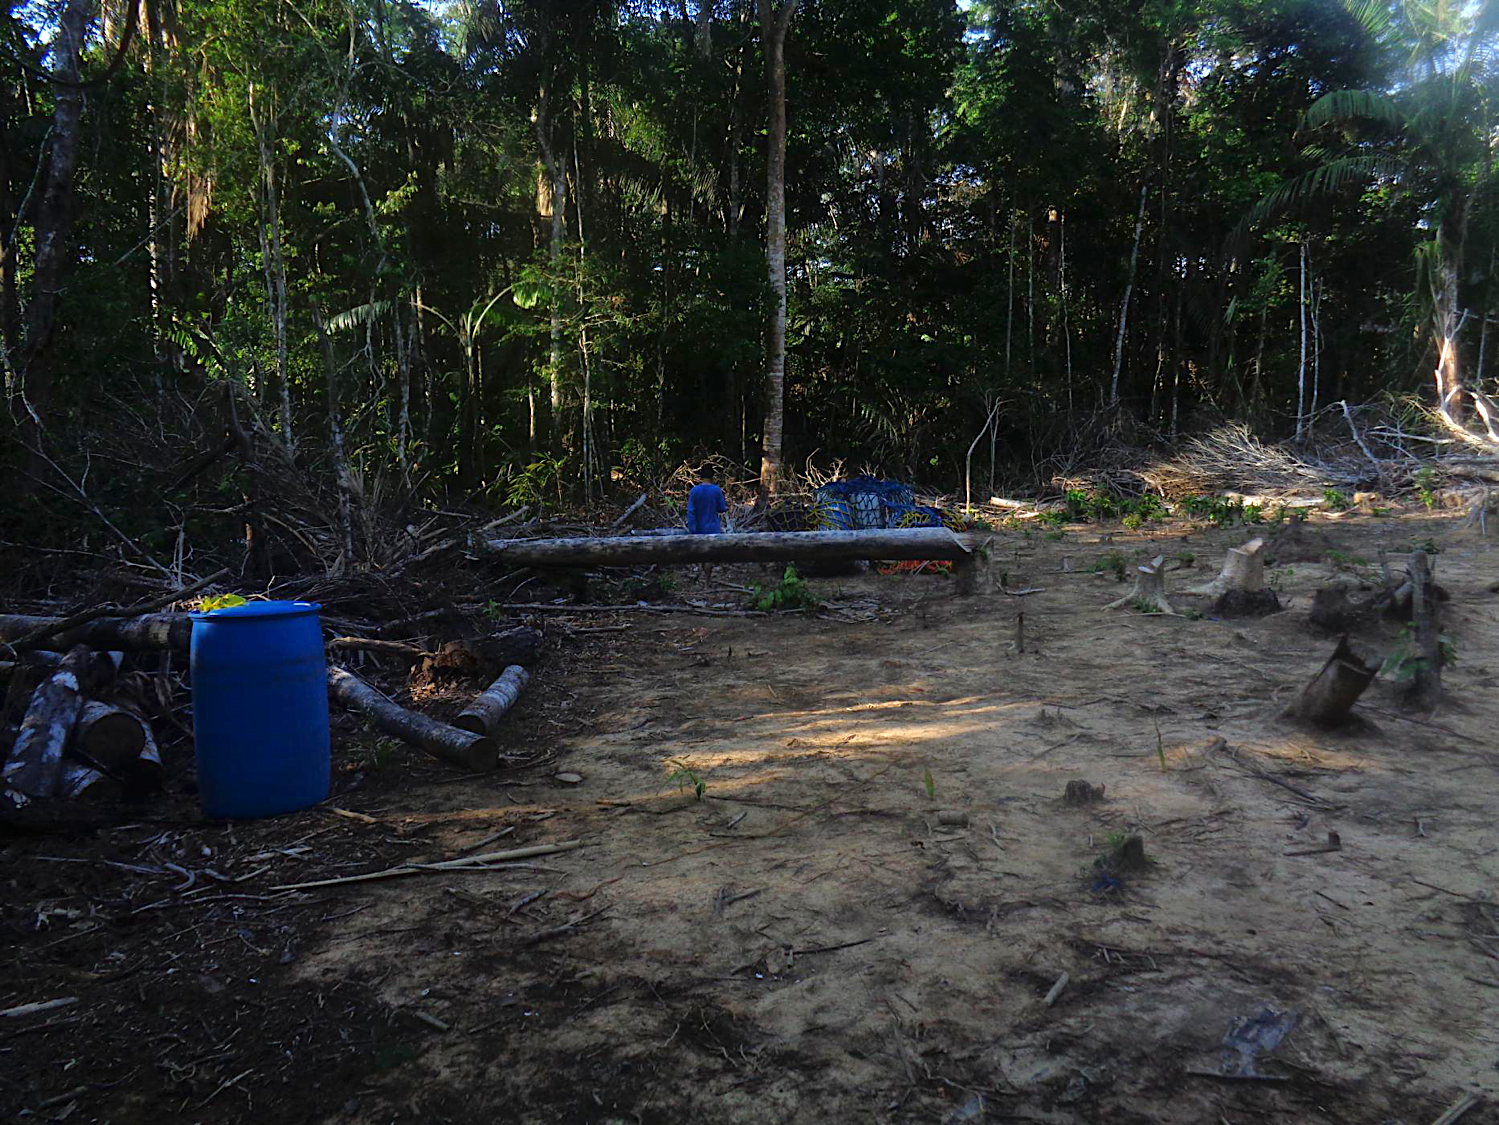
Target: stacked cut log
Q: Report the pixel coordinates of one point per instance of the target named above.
(68, 738)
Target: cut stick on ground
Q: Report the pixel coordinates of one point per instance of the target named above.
(1056, 990)
(1426, 683)
(465, 863)
(411, 653)
(469, 751)
(1457, 1109)
(35, 763)
(1149, 593)
(489, 707)
(1329, 696)
(630, 511)
(39, 1006)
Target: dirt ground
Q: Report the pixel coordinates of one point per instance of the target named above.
(809, 941)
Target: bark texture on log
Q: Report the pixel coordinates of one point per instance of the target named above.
(35, 761)
(1331, 693)
(132, 634)
(778, 546)
(489, 706)
(461, 748)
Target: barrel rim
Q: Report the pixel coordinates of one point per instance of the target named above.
(257, 610)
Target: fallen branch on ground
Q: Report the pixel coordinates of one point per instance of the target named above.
(469, 751)
(466, 863)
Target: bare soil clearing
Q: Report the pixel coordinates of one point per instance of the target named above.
(809, 942)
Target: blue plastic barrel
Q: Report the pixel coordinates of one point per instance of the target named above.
(838, 515)
(260, 709)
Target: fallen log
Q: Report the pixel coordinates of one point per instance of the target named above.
(52, 626)
(489, 706)
(131, 634)
(732, 547)
(108, 736)
(469, 751)
(1329, 695)
(35, 760)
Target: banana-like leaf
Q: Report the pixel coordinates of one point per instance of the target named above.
(359, 315)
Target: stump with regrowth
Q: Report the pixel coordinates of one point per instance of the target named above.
(1329, 696)
(1149, 592)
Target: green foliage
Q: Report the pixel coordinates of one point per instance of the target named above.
(1426, 482)
(1132, 511)
(1056, 536)
(1218, 510)
(680, 774)
(220, 601)
(1406, 659)
(791, 593)
(930, 784)
(1336, 500)
(1113, 562)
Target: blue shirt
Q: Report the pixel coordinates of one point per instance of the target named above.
(704, 503)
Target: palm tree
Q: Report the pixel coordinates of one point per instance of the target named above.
(1430, 133)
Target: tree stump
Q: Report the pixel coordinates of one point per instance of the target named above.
(1240, 589)
(108, 736)
(1149, 592)
(1333, 611)
(1329, 696)
(1081, 793)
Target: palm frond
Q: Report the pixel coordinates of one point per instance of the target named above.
(1373, 18)
(1354, 105)
(359, 316)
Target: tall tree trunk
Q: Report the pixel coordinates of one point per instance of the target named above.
(703, 33)
(340, 455)
(269, 230)
(773, 25)
(10, 309)
(556, 171)
(1445, 323)
(53, 223)
(1129, 285)
(1301, 364)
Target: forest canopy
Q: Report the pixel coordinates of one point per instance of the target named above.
(474, 249)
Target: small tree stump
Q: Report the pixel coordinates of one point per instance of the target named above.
(1149, 592)
(1332, 611)
(1329, 696)
(1243, 569)
(1081, 793)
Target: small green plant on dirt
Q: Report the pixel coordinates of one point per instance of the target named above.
(377, 755)
(1186, 558)
(1054, 518)
(1336, 500)
(1253, 513)
(1160, 747)
(492, 610)
(1112, 563)
(1342, 560)
(1134, 521)
(1056, 536)
(645, 587)
(1426, 482)
(930, 784)
(792, 593)
(684, 777)
(1218, 510)
(530, 485)
(1405, 660)
(1278, 517)
(1140, 605)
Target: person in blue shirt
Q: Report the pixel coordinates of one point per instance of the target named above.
(705, 506)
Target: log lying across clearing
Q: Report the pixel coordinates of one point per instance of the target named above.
(473, 752)
(735, 547)
(130, 634)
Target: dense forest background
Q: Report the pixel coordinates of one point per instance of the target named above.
(491, 251)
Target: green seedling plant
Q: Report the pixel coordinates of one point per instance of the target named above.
(1426, 481)
(1056, 536)
(1160, 747)
(930, 784)
(684, 777)
(1336, 500)
(1405, 660)
(792, 593)
(1111, 563)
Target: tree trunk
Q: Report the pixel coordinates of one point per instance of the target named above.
(1330, 695)
(1129, 285)
(773, 25)
(1301, 364)
(1445, 323)
(556, 171)
(340, 457)
(269, 230)
(53, 223)
(783, 546)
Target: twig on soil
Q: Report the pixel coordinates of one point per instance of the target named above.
(558, 931)
(1425, 723)
(349, 814)
(547, 607)
(820, 948)
(38, 1006)
(466, 863)
(1056, 990)
(1457, 1109)
(1445, 891)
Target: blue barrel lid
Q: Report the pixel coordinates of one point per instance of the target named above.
(259, 609)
